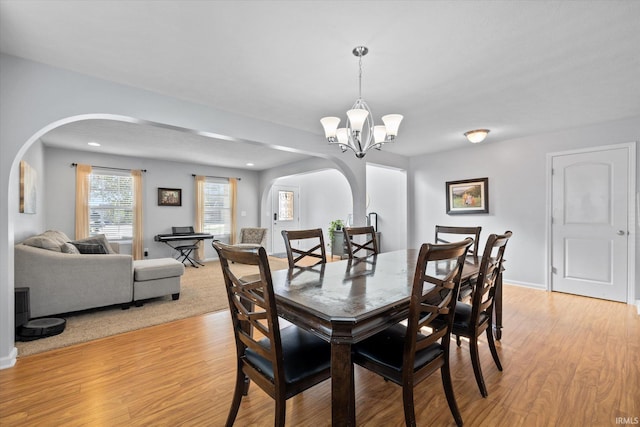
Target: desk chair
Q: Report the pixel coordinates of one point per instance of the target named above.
(295, 255)
(369, 247)
(281, 362)
(404, 354)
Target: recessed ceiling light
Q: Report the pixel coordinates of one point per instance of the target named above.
(250, 164)
(93, 144)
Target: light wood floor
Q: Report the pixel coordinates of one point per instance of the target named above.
(567, 360)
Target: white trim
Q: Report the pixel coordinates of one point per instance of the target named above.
(10, 360)
(538, 286)
(631, 203)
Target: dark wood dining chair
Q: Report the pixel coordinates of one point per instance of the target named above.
(471, 320)
(447, 234)
(370, 245)
(296, 255)
(282, 362)
(406, 355)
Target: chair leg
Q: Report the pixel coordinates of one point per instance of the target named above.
(448, 391)
(492, 347)
(475, 361)
(458, 340)
(237, 397)
(281, 411)
(409, 410)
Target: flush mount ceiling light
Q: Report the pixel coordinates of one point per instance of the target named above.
(93, 144)
(360, 134)
(477, 135)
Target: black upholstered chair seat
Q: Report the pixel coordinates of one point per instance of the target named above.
(304, 354)
(463, 317)
(387, 348)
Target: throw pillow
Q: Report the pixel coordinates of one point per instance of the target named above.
(42, 242)
(90, 248)
(68, 248)
(57, 236)
(99, 238)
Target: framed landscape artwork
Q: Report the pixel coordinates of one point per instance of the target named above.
(169, 197)
(28, 179)
(469, 196)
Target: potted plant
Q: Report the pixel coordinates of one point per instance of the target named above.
(336, 224)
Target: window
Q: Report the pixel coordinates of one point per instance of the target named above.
(111, 204)
(217, 208)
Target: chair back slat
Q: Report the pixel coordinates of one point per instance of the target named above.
(446, 234)
(370, 245)
(296, 255)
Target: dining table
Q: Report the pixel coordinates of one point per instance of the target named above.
(347, 301)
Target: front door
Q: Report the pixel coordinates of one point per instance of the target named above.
(285, 214)
(589, 230)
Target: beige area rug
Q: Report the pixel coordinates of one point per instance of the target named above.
(202, 291)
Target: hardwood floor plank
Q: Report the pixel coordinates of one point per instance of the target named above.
(567, 360)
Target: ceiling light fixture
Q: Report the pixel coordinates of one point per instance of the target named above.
(360, 134)
(93, 144)
(477, 135)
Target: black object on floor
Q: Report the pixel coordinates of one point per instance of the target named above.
(40, 328)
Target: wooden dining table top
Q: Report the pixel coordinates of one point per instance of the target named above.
(353, 291)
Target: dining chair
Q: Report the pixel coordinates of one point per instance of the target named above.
(295, 255)
(370, 245)
(406, 355)
(447, 234)
(471, 320)
(282, 362)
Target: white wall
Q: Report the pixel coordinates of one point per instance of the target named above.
(517, 191)
(387, 191)
(60, 197)
(324, 196)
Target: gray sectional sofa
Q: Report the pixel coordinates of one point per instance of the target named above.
(62, 280)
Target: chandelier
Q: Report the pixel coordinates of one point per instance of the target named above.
(360, 134)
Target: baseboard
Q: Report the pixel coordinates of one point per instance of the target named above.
(638, 306)
(525, 284)
(10, 360)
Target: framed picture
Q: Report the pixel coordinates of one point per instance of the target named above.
(169, 197)
(28, 179)
(469, 196)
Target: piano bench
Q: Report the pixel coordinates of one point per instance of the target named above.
(154, 278)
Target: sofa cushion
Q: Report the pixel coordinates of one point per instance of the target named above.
(100, 239)
(152, 269)
(42, 242)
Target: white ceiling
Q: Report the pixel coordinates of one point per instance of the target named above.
(518, 68)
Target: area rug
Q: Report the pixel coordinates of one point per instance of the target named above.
(202, 291)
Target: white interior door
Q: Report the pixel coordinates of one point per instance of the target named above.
(589, 223)
(285, 214)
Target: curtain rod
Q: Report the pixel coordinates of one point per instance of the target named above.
(221, 177)
(107, 167)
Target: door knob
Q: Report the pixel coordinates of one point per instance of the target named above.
(621, 233)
